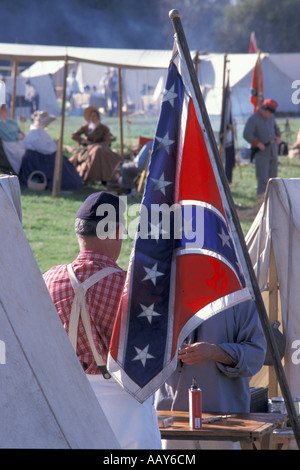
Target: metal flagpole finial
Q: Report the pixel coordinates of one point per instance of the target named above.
(174, 14)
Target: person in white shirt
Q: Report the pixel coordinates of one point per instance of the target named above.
(37, 138)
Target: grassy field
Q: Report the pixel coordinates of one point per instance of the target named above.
(48, 222)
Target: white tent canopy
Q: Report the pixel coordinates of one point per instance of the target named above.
(46, 400)
(277, 225)
(123, 58)
(41, 67)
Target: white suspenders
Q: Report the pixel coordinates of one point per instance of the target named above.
(79, 308)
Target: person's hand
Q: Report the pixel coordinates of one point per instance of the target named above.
(261, 146)
(198, 353)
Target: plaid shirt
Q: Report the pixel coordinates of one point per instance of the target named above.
(102, 300)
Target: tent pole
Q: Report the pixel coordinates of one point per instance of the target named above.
(120, 111)
(59, 153)
(273, 315)
(174, 16)
(13, 101)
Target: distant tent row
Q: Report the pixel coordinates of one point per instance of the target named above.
(141, 88)
(148, 67)
(280, 71)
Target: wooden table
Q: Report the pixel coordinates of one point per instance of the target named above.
(253, 430)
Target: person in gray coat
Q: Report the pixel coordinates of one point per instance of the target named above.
(221, 354)
(263, 133)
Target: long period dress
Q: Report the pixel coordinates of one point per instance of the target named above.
(94, 160)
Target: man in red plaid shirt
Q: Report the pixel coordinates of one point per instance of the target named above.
(86, 294)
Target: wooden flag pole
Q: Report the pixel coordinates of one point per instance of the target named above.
(222, 136)
(258, 78)
(120, 111)
(175, 18)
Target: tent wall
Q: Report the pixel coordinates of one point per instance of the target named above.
(278, 225)
(46, 400)
(45, 89)
(134, 81)
(54, 69)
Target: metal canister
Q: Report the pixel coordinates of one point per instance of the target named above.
(195, 406)
(276, 405)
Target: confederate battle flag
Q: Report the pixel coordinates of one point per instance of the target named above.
(257, 87)
(252, 44)
(186, 264)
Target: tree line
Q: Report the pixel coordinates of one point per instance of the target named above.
(209, 25)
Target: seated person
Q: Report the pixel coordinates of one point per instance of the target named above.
(40, 156)
(130, 170)
(37, 138)
(13, 148)
(94, 160)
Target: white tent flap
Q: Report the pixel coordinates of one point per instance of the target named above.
(278, 222)
(46, 400)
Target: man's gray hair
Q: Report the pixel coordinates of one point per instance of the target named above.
(85, 228)
(88, 228)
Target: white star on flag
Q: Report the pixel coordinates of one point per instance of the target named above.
(160, 184)
(164, 142)
(148, 312)
(142, 355)
(152, 274)
(169, 95)
(225, 238)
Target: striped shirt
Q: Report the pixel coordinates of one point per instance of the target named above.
(102, 300)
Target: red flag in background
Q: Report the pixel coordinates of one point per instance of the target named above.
(226, 133)
(257, 87)
(252, 45)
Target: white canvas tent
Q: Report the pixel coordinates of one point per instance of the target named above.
(133, 82)
(45, 89)
(46, 400)
(273, 242)
(278, 71)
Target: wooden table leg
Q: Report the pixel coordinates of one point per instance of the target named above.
(264, 443)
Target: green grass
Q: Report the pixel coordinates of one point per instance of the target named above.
(49, 226)
(49, 222)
